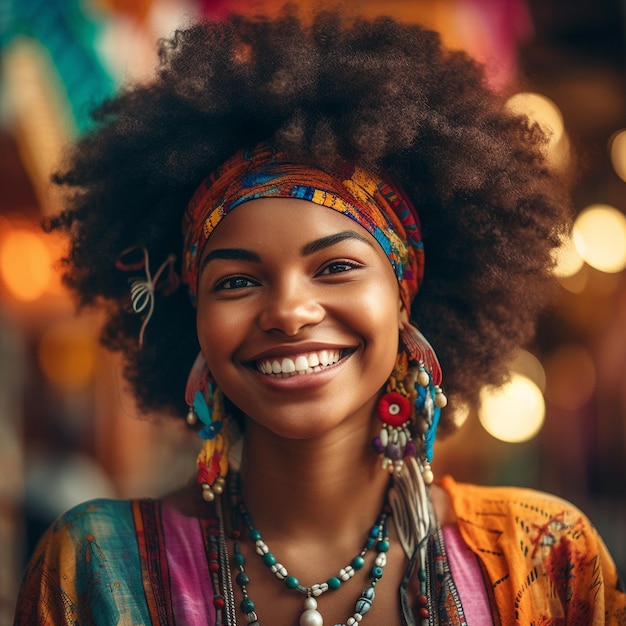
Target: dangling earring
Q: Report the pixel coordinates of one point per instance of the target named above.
(427, 376)
(204, 400)
(395, 441)
(410, 408)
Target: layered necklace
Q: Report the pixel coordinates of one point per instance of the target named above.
(437, 602)
(377, 542)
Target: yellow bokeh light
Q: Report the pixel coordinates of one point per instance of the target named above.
(599, 235)
(560, 153)
(67, 354)
(576, 283)
(529, 365)
(458, 413)
(541, 110)
(25, 264)
(568, 260)
(617, 149)
(514, 412)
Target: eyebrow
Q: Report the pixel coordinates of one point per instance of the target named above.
(331, 240)
(232, 254)
(242, 254)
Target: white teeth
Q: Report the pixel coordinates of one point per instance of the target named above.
(302, 364)
(288, 366)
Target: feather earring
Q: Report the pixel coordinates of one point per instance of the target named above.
(426, 375)
(421, 376)
(204, 400)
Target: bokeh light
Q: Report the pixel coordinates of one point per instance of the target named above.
(576, 283)
(67, 354)
(568, 260)
(529, 365)
(540, 109)
(617, 150)
(25, 264)
(571, 377)
(599, 235)
(515, 411)
(458, 413)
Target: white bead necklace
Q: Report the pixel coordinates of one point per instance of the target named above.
(378, 539)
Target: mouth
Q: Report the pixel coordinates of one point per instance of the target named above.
(300, 364)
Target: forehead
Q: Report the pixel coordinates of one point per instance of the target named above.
(281, 220)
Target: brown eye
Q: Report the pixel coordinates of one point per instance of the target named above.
(338, 267)
(234, 282)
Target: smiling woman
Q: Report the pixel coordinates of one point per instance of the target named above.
(346, 188)
(321, 292)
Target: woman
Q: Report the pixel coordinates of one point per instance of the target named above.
(339, 184)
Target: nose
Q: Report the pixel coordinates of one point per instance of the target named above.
(291, 306)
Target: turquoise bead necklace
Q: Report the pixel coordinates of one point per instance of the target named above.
(377, 540)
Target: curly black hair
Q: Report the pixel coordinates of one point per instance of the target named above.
(381, 93)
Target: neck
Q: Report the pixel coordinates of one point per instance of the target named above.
(312, 487)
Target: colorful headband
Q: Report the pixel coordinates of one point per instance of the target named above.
(375, 203)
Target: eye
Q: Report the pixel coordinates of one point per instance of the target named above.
(338, 267)
(234, 282)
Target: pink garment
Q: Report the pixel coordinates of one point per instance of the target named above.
(467, 577)
(192, 591)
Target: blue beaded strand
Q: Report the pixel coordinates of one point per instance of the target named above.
(247, 605)
(378, 539)
(291, 582)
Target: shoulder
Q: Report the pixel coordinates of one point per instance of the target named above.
(91, 549)
(102, 521)
(541, 554)
(470, 502)
(93, 512)
(512, 522)
(97, 527)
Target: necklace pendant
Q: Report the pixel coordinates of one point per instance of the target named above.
(311, 616)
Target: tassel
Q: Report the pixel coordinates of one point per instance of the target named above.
(204, 400)
(212, 464)
(408, 499)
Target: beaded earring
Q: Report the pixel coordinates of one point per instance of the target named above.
(410, 408)
(204, 400)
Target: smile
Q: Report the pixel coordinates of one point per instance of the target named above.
(307, 363)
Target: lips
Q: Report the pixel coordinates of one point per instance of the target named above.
(298, 364)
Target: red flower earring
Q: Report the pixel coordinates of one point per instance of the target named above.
(395, 411)
(410, 408)
(394, 440)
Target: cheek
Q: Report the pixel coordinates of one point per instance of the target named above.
(379, 316)
(215, 331)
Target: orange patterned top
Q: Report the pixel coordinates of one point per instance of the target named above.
(543, 561)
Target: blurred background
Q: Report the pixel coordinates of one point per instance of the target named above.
(68, 427)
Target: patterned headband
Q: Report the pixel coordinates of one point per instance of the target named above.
(375, 203)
